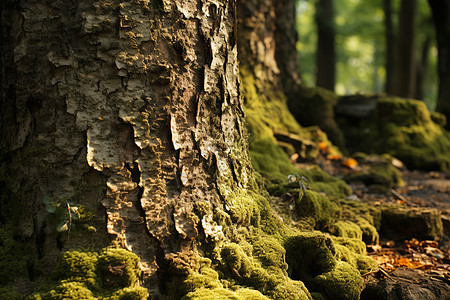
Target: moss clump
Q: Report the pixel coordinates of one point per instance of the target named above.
(130, 293)
(325, 267)
(13, 258)
(346, 229)
(309, 254)
(398, 223)
(222, 293)
(269, 252)
(319, 207)
(9, 293)
(118, 268)
(110, 273)
(343, 282)
(377, 171)
(315, 106)
(355, 245)
(271, 280)
(403, 128)
(370, 234)
(77, 266)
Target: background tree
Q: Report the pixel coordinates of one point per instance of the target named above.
(390, 45)
(405, 67)
(441, 17)
(326, 56)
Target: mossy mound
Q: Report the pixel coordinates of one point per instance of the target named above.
(399, 223)
(317, 206)
(327, 265)
(315, 106)
(346, 229)
(110, 273)
(269, 277)
(403, 128)
(13, 257)
(377, 172)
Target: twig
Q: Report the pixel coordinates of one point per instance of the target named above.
(70, 221)
(397, 195)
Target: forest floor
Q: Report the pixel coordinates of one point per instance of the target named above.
(410, 266)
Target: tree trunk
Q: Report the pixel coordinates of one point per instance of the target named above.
(422, 67)
(325, 57)
(390, 46)
(129, 110)
(441, 17)
(405, 76)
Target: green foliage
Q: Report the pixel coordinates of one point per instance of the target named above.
(61, 214)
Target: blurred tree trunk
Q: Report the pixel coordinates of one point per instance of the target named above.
(390, 46)
(326, 56)
(131, 110)
(405, 69)
(441, 17)
(286, 53)
(422, 67)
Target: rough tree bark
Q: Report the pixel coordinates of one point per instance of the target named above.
(130, 109)
(326, 56)
(441, 17)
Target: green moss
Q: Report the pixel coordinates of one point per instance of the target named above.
(269, 252)
(271, 280)
(401, 223)
(355, 245)
(366, 264)
(206, 278)
(221, 293)
(309, 254)
(382, 173)
(77, 266)
(315, 106)
(69, 290)
(130, 293)
(317, 206)
(271, 161)
(111, 273)
(343, 282)
(13, 258)
(325, 267)
(9, 293)
(346, 229)
(118, 268)
(361, 262)
(405, 129)
(370, 234)
(438, 118)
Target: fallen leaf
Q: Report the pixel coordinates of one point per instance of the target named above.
(350, 163)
